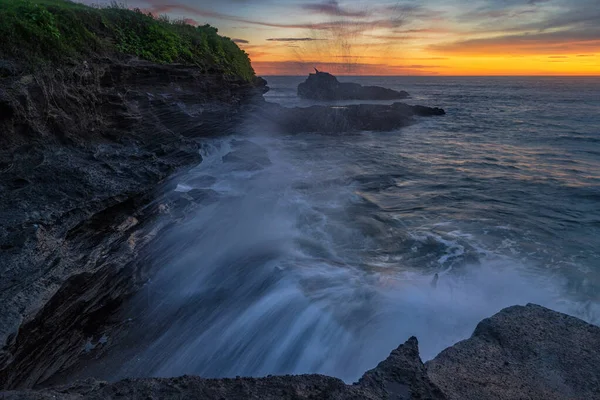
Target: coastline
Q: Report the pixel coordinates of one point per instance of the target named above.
(87, 148)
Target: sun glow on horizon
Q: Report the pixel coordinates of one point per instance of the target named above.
(403, 37)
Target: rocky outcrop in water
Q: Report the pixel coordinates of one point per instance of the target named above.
(324, 86)
(342, 119)
(523, 352)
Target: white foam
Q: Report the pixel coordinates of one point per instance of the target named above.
(279, 280)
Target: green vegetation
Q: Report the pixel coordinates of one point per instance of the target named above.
(37, 32)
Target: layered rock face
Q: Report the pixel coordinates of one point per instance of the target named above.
(523, 352)
(81, 150)
(324, 86)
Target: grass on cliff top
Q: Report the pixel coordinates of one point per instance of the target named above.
(38, 32)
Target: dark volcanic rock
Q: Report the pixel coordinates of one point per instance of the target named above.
(526, 352)
(324, 86)
(82, 149)
(400, 377)
(520, 353)
(351, 118)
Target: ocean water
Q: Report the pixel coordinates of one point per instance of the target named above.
(319, 253)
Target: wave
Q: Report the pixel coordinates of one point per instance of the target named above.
(291, 271)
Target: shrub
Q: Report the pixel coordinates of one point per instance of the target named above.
(36, 32)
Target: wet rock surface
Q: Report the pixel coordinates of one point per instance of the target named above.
(247, 156)
(400, 377)
(343, 119)
(522, 352)
(82, 151)
(324, 86)
(527, 352)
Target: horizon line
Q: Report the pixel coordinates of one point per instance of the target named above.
(451, 76)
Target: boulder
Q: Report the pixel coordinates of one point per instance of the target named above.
(522, 352)
(324, 86)
(350, 118)
(402, 376)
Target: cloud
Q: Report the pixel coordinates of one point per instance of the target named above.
(560, 14)
(423, 30)
(430, 58)
(157, 7)
(302, 68)
(411, 11)
(190, 21)
(304, 39)
(333, 8)
(567, 41)
(349, 30)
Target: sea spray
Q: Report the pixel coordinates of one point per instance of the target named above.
(293, 270)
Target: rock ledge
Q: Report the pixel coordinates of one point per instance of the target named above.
(522, 352)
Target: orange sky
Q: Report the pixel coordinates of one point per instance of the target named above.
(405, 37)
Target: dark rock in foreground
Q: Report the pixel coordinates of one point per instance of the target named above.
(324, 86)
(82, 151)
(402, 377)
(526, 352)
(351, 118)
(520, 353)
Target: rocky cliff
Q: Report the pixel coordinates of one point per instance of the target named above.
(523, 352)
(82, 150)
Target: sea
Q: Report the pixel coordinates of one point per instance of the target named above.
(339, 248)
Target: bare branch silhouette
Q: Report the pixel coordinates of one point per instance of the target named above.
(342, 43)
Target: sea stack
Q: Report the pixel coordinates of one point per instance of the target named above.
(324, 86)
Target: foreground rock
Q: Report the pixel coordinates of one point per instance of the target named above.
(401, 377)
(520, 353)
(526, 352)
(340, 119)
(324, 86)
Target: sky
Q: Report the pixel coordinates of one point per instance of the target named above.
(404, 37)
